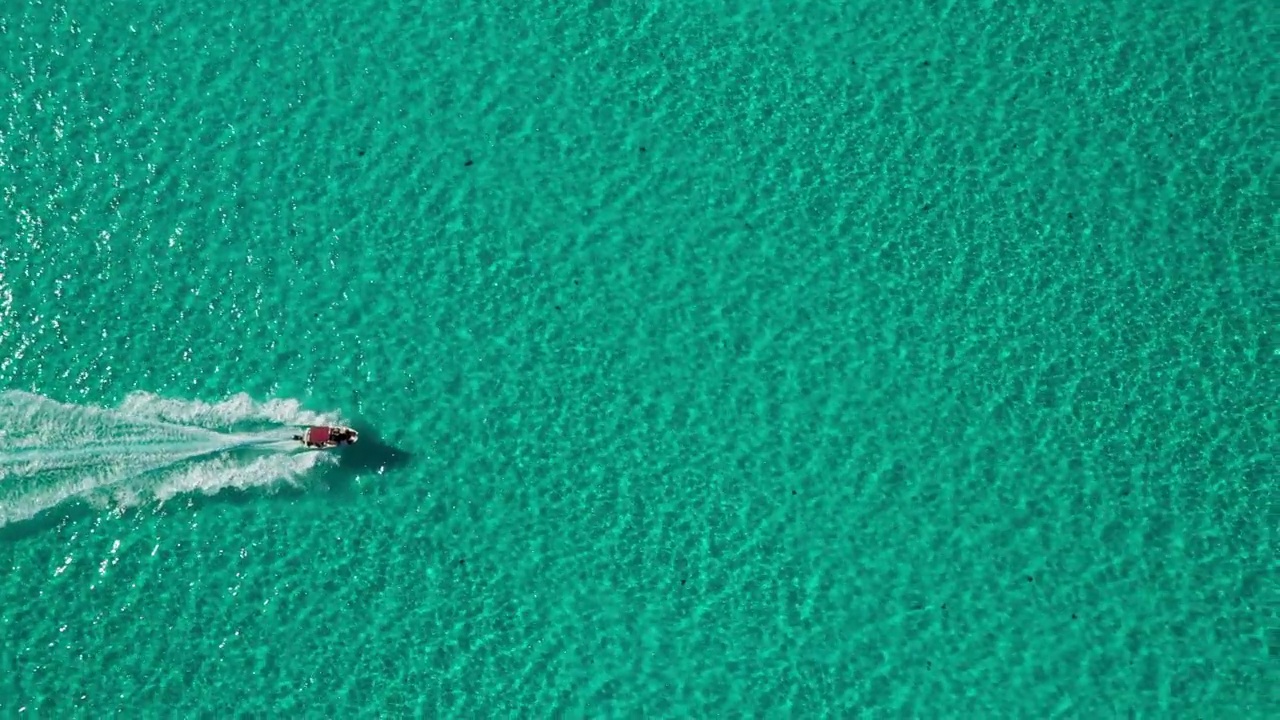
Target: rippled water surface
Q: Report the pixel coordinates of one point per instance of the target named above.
(766, 359)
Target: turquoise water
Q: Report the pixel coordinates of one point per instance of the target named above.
(773, 359)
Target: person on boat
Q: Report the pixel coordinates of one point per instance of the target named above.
(321, 437)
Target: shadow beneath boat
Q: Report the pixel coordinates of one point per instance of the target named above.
(372, 454)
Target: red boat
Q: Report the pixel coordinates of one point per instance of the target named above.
(323, 438)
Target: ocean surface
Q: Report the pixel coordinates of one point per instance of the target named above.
(722, 359)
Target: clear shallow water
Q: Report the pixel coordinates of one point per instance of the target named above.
(790, 359)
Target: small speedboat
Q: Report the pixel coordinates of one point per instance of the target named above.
(322, 438)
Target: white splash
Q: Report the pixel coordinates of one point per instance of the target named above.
(150, 448)
(235, 410)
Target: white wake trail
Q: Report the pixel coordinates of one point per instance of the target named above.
(149, 448)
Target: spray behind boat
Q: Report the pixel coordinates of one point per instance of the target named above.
(148, 448)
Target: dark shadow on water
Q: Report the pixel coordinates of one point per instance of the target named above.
(370, 455)
(47, 521)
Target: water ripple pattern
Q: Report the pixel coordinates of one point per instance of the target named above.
(771, 359)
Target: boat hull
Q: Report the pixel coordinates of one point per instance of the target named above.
(326, 437)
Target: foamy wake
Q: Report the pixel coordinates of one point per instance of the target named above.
(147, 449)
(237, 410)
